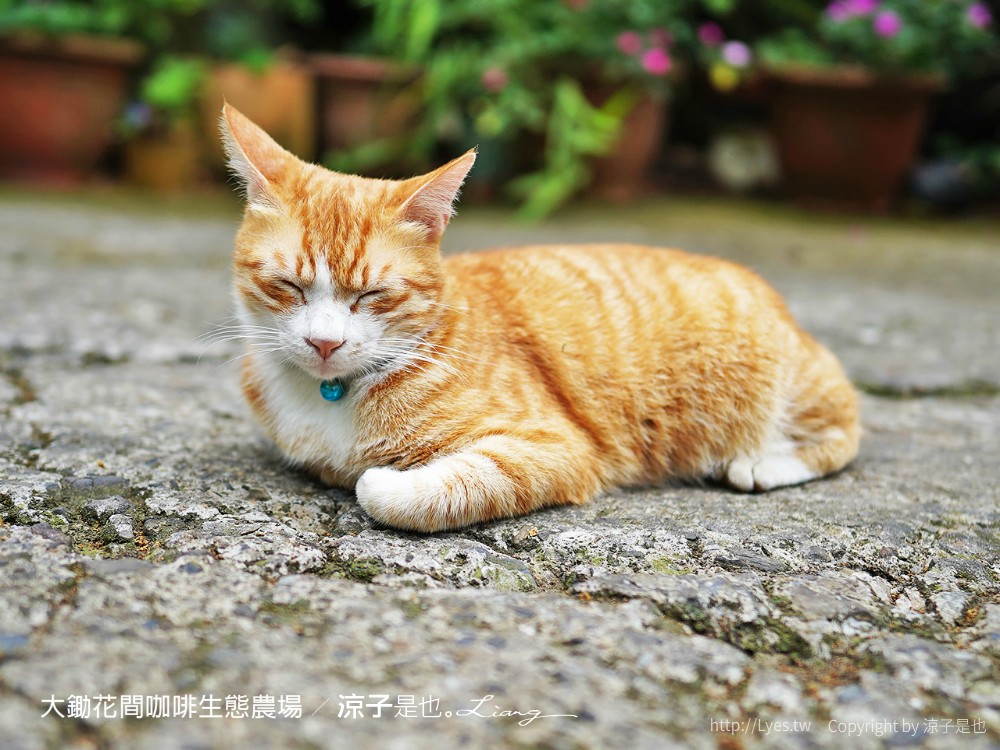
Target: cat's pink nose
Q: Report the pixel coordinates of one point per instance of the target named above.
(323, 347)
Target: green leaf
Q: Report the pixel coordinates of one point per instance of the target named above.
(422, 28)
(719, 7)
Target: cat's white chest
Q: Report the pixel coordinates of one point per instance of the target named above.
(307, 428)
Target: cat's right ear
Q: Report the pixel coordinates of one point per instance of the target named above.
(255, 158)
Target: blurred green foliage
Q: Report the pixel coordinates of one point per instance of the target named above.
(576, 129)
(518, 77)
(223, 28)
(149, 21)
(495, 71)
(173, 84)
(981, 161)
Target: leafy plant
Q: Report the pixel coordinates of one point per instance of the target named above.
(500, 70)
(889, 36)
(152, 22)
(163, 25)
(173, 85)
(246, 31)
(981, 161)
(167, 96)
(57, 18)
(575, 128)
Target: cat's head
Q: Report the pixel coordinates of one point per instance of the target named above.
(339, 275)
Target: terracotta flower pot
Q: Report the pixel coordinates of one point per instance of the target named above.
(362, 99)
(166, 162)
(845, 137)
(622, 175)
(281, 100)
(60, 99)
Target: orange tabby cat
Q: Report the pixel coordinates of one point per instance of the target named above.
(481, 386)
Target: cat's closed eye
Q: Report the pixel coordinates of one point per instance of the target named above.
(291, 286)
(366, 298)
(282, 291)
(371, 294)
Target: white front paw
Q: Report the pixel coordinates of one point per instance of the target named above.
(781, 471)
(385, 494)
(739, 474)
(767, 473)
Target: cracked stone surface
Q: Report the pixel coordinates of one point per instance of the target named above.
(153, 544)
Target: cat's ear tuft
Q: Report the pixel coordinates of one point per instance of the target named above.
(432, 197)
(254, 157)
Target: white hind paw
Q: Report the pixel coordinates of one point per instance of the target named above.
(767, 473)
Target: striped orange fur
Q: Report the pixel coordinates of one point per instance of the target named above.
(488, 385)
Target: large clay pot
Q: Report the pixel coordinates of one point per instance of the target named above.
(622, 175)
(847, 138)
(362, 99)
(281, 99)
(167, 161)
(60, 101)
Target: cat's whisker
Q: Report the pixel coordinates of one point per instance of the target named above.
(239, 328)
(247, 354)
(455, 308)
(449, 352)
(238, 332)
(215, 339)
(411, 361)
(244, 327)
(240, 337)
(409, 354)
(223, 322)
(222, 345)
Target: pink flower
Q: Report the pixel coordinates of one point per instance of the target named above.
(661, 38)
(979, 15)
(629, 43)
(575, 4)
(656, 61)
(861, 7)
(842, 10)
(837, 11)
(887, 24)
(494, 79)
(710, 34)
(736, 54)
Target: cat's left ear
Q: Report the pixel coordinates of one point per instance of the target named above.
(432, 196)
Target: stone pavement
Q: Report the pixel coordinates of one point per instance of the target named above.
(152, 543)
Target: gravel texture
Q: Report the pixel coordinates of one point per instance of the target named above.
(152, 543)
